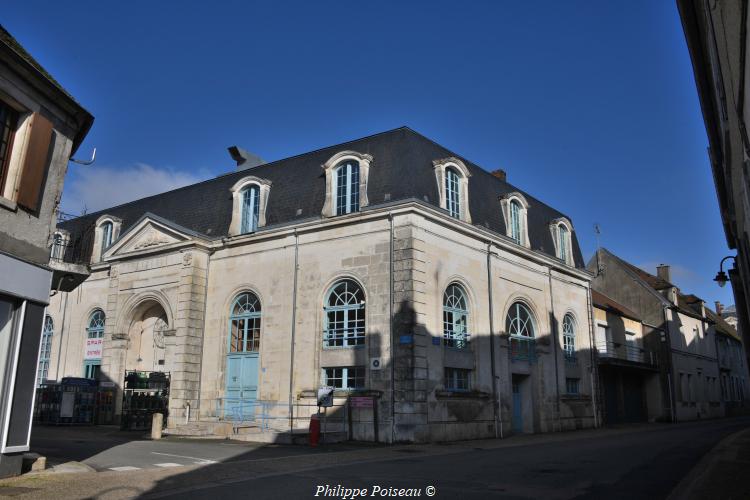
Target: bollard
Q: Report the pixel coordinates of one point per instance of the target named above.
(156, 423)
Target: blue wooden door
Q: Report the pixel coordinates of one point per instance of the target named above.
(517, 408)
(242, 382)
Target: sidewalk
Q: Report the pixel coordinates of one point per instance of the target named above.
(721, 474)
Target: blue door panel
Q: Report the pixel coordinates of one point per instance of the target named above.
(517, 408)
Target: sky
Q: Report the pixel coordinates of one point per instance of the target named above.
(590, 107)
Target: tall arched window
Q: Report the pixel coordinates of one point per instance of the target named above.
(569, 337)
(452, 193)
(347, 187)
(521, 327)
(250, 209)
(562, 242)
(455, 317)
(515, 221)
(344, 315)
(244, 323)
(95, 329)
(45, 350)
(107, 228)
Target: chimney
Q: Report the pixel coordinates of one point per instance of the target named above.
(500, 174)
(662, 271)
(244, 159)
(719, 307)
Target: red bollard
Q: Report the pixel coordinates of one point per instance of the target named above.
(313, 435)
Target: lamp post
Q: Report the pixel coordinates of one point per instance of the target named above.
(721, 277)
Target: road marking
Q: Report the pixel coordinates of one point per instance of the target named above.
(199, 460)
(168, 464)
(124, 468)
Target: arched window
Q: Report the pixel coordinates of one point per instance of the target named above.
(569, 337)
(250, 209)
(452, 193)
(244, 323)
(45, 350)
(455, 317)
(95, 329)
(515, 221)
(520, 325)
(107, 228)
(344, 315)
(347, 187)
(562, 242)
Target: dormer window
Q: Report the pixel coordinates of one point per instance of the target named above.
(249, 200)
(515, 209)
(250, 208)
(562, 230)
(107, 231)
(452, 178)
(347, 187)
(347, 174)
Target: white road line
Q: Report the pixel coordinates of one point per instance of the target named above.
(168, 464)
(199, 460)
(124, 468)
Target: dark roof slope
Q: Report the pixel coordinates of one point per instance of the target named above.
(401, 169)
(722, 326)
(608, 304)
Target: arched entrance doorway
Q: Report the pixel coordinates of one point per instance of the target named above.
(147, 349)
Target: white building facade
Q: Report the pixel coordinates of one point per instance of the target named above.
(388, 268)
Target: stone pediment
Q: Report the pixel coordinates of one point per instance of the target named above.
(146, 235)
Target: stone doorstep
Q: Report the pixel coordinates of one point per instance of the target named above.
(33, 462)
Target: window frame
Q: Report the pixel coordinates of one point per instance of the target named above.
(330, 168)
(236, 226)
(457, 379)
(569, 325)
(562, 240)
(351, 193)
(249, 208)
(252, 334)
(45, 350)
(341, 315)
(97, 330)
(521, 347)
(360, 373)
(516, 220)
(13, 119)
(453, 192)
(451, 337)
(442, 167)
(573, 386)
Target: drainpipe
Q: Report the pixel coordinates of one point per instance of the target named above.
(294, 324)
(390, 342)
(593, 367)
(492, 345)
(62, 333)
(670, 389)
(554, 345)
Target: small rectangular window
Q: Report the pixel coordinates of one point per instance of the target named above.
(572, 385)
(344, 377)
(457, 379)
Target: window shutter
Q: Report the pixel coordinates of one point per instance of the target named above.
(35, 163)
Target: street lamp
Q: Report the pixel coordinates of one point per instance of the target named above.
(721, 277)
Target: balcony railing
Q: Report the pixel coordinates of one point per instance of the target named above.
(522, 348)
(615, 350)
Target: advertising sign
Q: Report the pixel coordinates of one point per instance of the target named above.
(93, 349)
(361, 402)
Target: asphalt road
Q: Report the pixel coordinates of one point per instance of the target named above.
(645, 461)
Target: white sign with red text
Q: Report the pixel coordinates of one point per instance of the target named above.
(93, 349)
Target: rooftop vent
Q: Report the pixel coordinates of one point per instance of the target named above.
(500, 174)
(245, 159)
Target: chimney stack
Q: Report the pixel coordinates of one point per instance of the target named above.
(500, 174)
(662, 271)
(719, 307)
(244, 159)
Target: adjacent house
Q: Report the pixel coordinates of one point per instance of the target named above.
(41, 126)
(388, 268)
(675, 327)
(733, 368)
(628, 367)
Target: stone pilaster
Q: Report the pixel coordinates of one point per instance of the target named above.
(409, 336)
(188, 345)
(115, 343)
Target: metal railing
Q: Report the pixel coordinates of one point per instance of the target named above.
(273, 415)
(522, 348)
(616, 350)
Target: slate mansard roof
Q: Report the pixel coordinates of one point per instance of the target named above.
(402, 169)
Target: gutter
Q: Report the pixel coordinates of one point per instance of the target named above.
(495, 410)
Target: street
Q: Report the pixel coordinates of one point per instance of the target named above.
(643, 461)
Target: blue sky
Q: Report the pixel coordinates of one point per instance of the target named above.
(589, 106)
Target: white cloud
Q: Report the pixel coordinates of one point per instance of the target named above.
(97, 188)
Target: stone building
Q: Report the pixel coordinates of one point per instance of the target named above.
(732, 364)
(41, 126)
(676, 327)
(387, 266)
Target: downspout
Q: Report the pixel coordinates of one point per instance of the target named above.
(62, 333)
(390, 342)
(205, 307)
(492, 346)
(594, 368)
(294, 324)
(554, 345)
